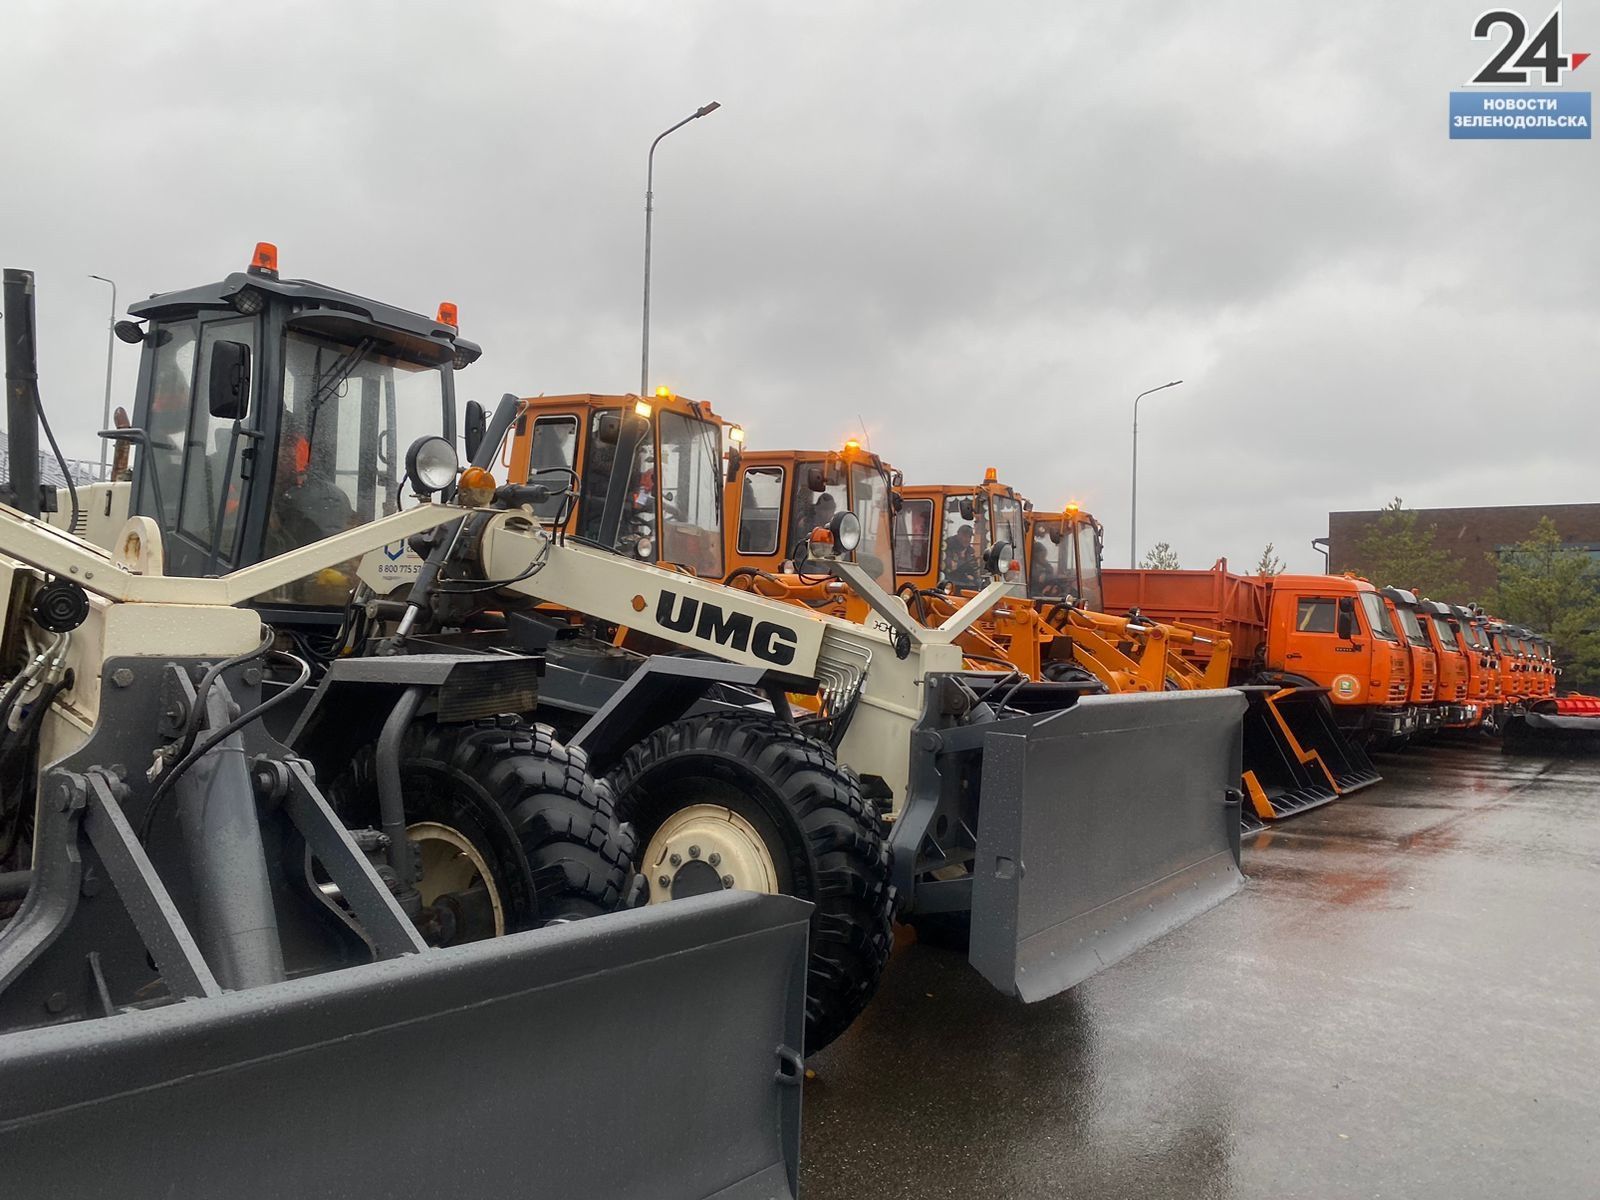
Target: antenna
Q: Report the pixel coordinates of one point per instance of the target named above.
(865, 436)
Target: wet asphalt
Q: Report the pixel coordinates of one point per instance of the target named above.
(1403, 1002)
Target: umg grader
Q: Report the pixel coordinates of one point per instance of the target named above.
(1062, 832)
(254, 848)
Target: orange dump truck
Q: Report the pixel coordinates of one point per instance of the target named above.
(1483, 668)
(1452, 693)
(1423, 663)
(1328, 632)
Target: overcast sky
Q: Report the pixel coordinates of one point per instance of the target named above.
(978, 229)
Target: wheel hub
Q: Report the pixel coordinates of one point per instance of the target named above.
(707, 848)
(452, 868)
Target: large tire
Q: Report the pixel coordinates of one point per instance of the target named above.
(542, 824)
(806, 808)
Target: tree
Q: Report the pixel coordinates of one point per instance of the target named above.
(1270, 563)
(1394, 552)
(1554, 590)
(1161, 558)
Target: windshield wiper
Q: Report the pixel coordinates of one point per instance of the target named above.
(339, 372)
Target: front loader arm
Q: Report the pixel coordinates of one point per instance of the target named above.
(741, 627)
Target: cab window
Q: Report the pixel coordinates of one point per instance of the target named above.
(760, 510)
(691, 494)
(213, 450)
(959, 561)
(1316, 614)
(167, 422)
(814, 509)
(1052, 566)
(912, 535)
(552, 451)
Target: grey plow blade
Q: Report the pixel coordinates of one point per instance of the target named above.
(639, 1055)
(1101, 828)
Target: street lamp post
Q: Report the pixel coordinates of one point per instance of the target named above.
(649, 208)
(1133, 516)
(111, 346)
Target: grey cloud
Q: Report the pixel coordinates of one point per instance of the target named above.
(980, 229)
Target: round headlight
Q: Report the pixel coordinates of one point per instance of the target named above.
(998, 558)
(846, 530)
(431, 465)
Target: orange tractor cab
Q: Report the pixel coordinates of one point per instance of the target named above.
(1331, 634)
(952, 539)
(782, 503)
(1064, 552)
(958, 536)
(663, 507)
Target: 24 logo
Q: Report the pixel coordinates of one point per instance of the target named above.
(1541, 55)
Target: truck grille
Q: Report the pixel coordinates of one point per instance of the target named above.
(1397, 691)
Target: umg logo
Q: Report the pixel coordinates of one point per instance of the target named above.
(710, 622)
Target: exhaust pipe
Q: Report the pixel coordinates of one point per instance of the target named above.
(21, 489)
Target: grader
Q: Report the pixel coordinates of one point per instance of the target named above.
(255, 848)
(1063, 831)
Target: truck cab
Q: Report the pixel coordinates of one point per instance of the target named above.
(1402, 606)
(1336, 631)
(664, 507)
(1513, 664)
(1450, 695)
(1482, 673)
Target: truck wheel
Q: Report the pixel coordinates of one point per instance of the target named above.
(735, 801)
(512, 830)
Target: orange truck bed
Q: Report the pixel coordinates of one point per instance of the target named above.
(1235, 605)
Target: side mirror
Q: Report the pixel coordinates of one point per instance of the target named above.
(473, 429)
(816, 480)
(608, 428)
(1345, 623)
(735, 457)
(228, 389)
(895, 503)
(969, 510)
(129, 331)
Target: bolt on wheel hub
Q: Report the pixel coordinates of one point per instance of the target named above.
(707, 848)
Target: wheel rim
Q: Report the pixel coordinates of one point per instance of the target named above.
(707, 848)
(450, 863)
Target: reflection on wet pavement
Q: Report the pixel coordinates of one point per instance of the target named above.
(1404, 1002)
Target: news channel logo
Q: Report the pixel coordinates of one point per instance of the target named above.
(1519, 92)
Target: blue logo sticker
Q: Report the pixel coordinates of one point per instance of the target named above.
(1563, 115)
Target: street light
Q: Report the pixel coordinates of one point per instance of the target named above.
(649, 207)
(1133, 516)
(111, 345)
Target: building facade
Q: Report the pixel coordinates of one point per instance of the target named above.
(1476, 537)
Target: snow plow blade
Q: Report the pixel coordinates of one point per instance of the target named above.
(1295, 756)
(644, 1054)
(1552, 725)
(1100, 828)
